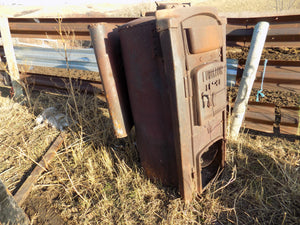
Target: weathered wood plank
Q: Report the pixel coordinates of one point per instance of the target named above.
(25, 189)
(10, 57)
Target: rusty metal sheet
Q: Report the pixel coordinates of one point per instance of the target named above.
(280, 86)
(270, 19)
(275, 44)
(49, 27)
(280, 75)
(106, 42)
(290, 119)
(258, 126)
(280, 78)
(288, 31)
(260, 116)
(149, 99)
(61, 83)
(284, 31)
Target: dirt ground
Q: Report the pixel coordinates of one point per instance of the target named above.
(289, 54)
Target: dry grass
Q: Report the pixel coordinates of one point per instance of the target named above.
(21, 147)
(97, 179)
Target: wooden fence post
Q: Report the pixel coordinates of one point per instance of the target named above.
(10, 57)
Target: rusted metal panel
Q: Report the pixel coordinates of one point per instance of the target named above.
(61, 83)
(149, 99)
(49, 27)
(280, 86)
(170, 75)
(290, 119)
(270, 19)
(280, 75)
(286, 78)
(284, 31)
(274, 44)
(260, 116)
(258, 126)
(277, 32)
(106, 42)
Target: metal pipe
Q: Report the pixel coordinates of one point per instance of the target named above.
(106, 42)
(249, 74)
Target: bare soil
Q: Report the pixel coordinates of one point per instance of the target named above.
(289, 54)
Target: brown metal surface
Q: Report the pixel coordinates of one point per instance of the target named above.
(267, 44)
(258, 126)
(26, 187)
(170, 73)
(149, 99)
(49, 28)
(270, 19)
(262, 117)
(196, 91)
(290, 120)
(106, 42)
(61, 83)
(277, 33)
(280, 75)
(284, 31)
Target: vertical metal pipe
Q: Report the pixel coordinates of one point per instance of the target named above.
(257, 44)
(106, 43)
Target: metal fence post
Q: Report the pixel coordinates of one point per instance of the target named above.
(257, 43)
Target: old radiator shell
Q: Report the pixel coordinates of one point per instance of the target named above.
(175, 69)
